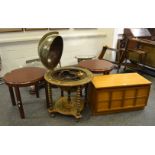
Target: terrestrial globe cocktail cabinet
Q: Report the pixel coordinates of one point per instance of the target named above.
(68, 79)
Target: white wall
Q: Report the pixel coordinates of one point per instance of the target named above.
(116, 33)
(16, 48)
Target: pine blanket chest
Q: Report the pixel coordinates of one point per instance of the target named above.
(118, 92)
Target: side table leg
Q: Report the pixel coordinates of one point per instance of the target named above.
(37, 90)
(19, 102)
(12, 95)
(106, 72)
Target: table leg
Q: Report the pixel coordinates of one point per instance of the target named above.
(50, 95)
(19, 102)
(46, 93)
(69, 96)
(86, 93)
(62, 93)
(12, 95)
(81, 92)
(37, 90)
(78, 102)
(106, 72)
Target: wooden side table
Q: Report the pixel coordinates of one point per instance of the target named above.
(24, 77)
(97, 66)
(84, 57)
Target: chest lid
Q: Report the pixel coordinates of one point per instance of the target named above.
(119, 80)
(50, 50)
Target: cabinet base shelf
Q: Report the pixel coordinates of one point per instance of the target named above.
(67, 107)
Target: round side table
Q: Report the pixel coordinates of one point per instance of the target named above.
(24, 77)
(97, 66)
(84, 57)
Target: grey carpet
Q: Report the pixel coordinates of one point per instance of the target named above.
(37, 114)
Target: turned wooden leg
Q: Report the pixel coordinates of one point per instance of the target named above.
(69, 96)
(46, 93)
(12, 96)
(62, 93)
(81, 92)
(86, 93)
(50, 95)
(37, 90)
(19, 102)
(78, 102)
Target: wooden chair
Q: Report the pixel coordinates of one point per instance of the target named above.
(120, 52)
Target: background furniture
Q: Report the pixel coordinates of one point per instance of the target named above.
(120, 54)
(24, 77)
(84, 57)
(136, 55)
(97, 66)
(141, 39)
(118, 92)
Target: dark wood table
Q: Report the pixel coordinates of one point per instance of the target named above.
(97, 66)
(24, 77)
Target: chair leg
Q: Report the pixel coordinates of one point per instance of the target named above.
(118, 68)
(125, 64)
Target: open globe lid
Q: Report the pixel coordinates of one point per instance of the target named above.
(50, 50)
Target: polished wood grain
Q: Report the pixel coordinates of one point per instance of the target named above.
(119, 80)
(24, 77)
(97, 66)
(118, 92)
